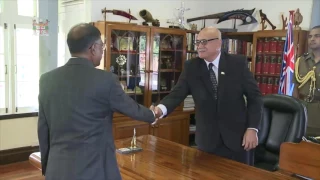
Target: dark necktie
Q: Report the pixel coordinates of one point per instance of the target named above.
(214, 81)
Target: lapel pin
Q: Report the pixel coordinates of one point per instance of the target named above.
(222, 73)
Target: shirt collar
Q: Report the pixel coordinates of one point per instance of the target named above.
(309, 56)
(79, 61)
(215, 61)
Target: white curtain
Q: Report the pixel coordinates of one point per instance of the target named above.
(315, 14)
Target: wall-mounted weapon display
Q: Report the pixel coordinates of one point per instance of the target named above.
(297, 19)
(104, 11)
(244, 15)
(264, 18)
(146, 15)
(284, 22)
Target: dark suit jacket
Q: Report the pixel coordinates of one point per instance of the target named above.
(76, 106)
(231, 117)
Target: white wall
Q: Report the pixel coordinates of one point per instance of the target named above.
(315, 16)
(22, 132)
(70, 15)
(164, 10)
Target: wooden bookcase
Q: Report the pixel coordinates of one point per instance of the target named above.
(148, 61)
(251, 45)
(268, 50)
(191, 52)
(239, 43)
(155, 58)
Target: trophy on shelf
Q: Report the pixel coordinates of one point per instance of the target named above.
(133, 148)
(121, 60)
(297, 19)
(179, 20)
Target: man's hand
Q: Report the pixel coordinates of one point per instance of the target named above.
(250, 139)
(157, 112)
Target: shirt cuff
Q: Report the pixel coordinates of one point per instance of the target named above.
(163, 109)
(254, 129)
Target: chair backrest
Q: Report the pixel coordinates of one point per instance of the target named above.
(284, 120)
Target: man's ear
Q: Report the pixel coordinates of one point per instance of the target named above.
(93, 49)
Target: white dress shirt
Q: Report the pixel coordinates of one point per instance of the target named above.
(215, 68)
(215, 65)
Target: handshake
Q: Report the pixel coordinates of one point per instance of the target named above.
(157, 113)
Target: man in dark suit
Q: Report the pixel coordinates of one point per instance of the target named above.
(218, 82)
(76, 106)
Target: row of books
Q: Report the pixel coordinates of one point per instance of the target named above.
(268, 85)
(191, 38)
(192, 55)
(270, 45)
(237, 46)
(268, 64)
(188, 103)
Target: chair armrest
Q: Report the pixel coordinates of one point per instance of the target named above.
(276, 167)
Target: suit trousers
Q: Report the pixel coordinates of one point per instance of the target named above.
(242, 156)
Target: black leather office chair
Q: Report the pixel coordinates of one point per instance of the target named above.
(284, 120)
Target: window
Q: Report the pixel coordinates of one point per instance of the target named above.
(3, 72)
(27, 69)
(19, 58)
(27, 7)
(61, 49)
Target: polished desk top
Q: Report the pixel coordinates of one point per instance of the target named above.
(162, 159)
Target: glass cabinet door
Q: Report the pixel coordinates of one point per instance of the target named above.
(166, 63)
(127, 59)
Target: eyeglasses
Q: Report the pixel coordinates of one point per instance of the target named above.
(103, 46)
(204, 41)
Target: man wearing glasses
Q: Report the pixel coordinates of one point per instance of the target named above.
(226, 126)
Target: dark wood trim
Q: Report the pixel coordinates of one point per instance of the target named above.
(17, 155)
(16, 116)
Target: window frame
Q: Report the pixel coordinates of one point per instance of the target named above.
(9, 15)
(6, 74)
(16, 108)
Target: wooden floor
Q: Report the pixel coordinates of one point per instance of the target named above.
(20, 171)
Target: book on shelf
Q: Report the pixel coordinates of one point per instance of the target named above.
(268, 64)
(188, 104)
(268, 85)
(237, 46)
(192, 128)
(191, 39)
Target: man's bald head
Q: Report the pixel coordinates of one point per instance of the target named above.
(211, 32)
(81, 37)
(84, 41)
(209, 43)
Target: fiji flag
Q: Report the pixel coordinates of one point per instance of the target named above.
(287, 71)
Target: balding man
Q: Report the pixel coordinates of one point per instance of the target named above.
(76, 106)
(226, 126)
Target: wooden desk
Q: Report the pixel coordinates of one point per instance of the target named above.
(162, 159)
(300, 158)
